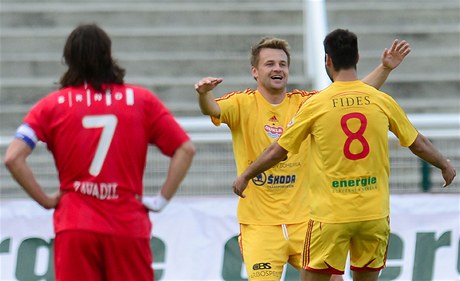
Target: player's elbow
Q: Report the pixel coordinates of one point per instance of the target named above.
(11, 161)
(7, 161)
(204, 111)
(188, 149)
(419, 146)
(211, 112)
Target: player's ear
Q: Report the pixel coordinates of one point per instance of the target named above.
(328, 61)
(254, 72)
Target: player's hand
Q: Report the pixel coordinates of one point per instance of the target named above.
(448, 174)
(239, 185)
(51, 201)
(392, 57)
(207, 84)
(155, 203)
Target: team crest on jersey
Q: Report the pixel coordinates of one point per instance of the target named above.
(273, 131)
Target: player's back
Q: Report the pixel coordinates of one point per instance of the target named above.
(97, 136)
(352, 131)
(99, 140)
(349, 163)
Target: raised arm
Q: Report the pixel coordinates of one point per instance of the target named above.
(390, 59)
(206, 98)
(423, 148)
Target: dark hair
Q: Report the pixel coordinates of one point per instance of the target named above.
(342, 46)
(88, 55)
(269, 43)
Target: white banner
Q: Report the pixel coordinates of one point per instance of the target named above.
(195, 239)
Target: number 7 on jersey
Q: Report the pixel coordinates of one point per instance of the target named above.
(108, 123)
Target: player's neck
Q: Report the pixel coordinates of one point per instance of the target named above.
(273, 96)
(346, 75)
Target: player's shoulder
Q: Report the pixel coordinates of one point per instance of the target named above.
(301, 93)
(238, 94)
(56, 96)
(138, 92)
(135, 88)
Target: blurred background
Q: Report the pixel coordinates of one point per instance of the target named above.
(169, 45)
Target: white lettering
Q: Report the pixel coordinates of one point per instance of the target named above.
(102, 191)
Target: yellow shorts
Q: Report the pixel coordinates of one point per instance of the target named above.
(327, 246)
(267, 248)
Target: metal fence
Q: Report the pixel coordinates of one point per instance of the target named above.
(213, 169)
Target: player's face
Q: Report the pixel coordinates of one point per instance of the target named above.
(272, 71)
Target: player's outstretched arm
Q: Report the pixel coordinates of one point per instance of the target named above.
(390, 59)
(206, 99)
(16, 162)
(423, 148)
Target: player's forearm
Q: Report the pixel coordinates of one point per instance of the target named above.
(16, 162)
(23, 175)
(424, 149)
(378, 76)
(271, 156)
(208, 104)
(178, 168)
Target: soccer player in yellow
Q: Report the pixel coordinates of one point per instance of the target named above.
(274, 216)
(347, 125)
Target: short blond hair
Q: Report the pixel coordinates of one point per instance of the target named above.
(269, 43)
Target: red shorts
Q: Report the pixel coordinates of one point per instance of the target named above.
(85, 255)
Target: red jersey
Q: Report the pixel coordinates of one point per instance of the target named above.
(99, 141)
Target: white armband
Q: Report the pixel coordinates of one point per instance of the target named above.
(25, 133)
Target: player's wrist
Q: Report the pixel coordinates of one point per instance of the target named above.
(202, 93)
(387, 67)
(162, 201)
(155, 203)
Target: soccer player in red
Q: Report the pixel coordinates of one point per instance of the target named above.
(98, 129)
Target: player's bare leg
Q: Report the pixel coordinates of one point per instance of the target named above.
(365, 276)
(306, 275)
(336, 278)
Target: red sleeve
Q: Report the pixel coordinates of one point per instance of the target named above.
(165, 131)
(37, 116)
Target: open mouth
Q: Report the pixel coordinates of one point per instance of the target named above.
(277, 77)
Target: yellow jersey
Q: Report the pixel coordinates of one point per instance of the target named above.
(348, 124)
(275, 196)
